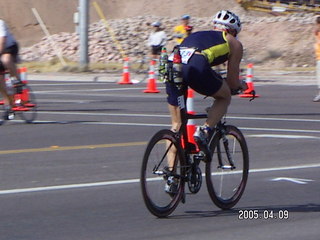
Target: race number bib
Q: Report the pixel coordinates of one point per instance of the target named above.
(186, 54)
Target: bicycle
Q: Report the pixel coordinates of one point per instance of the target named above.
(170, 162)
(24, 101)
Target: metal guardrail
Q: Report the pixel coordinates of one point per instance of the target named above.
(281, 6)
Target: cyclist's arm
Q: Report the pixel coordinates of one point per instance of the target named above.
(236, 51)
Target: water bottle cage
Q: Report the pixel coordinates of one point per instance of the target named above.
(172, 75)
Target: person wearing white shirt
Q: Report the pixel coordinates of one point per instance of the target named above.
(157, 39)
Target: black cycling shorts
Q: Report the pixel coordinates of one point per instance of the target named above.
(13, 50)
(199, 75)
(156, 50)
(173, 94)
(1, 68)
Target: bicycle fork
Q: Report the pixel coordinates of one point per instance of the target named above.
(227, 149)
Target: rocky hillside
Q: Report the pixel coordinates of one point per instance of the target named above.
(58, 14)
(268, 40)
(279, 41)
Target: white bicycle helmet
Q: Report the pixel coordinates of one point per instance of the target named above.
(228, 19)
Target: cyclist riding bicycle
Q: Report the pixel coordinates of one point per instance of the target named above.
(207, 49)
(8, 57)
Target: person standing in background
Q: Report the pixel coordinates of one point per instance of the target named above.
(180, 31)
(317, 52)
(157, 39)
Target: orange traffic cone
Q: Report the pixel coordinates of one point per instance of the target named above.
(152, 85)
(191, 126)
(125, 73)
(23, 73)
(248, 93)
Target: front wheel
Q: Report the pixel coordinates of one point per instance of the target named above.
(227, 172)
(26, 105)
(163, 173)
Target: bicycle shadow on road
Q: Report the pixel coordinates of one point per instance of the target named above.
(304, 208)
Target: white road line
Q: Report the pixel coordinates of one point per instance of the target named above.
(167, 116)
(108, 114)
(282, 136)
(90, 90)
(276, 119)
(66, 84)
(280, 130)
(127, 124)
(168, 125)
(128, 181)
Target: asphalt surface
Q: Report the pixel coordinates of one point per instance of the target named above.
(73, 173)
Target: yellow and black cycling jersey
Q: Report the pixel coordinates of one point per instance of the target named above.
(212, 44)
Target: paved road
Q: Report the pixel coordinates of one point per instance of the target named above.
(73, 174)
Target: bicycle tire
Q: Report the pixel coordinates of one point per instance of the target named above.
(2, 120)
(156, 199)
(28, 103)
(218, 191)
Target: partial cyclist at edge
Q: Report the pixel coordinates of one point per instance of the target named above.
(211, 48)
(8, 58)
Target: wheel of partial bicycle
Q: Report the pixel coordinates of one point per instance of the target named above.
(226, 179)
(1, 114)
(28, 104)
(162, 174)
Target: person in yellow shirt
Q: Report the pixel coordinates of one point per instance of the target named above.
(180, 32)
(317, 53)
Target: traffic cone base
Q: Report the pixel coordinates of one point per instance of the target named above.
(248, 93)
(152, 85)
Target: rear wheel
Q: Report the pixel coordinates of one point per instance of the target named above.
(162, 174)
(226, 179)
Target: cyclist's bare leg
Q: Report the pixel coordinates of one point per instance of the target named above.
(8, 100)
(220, 105)
(8, 62)
(175, 126)
(175, 117)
